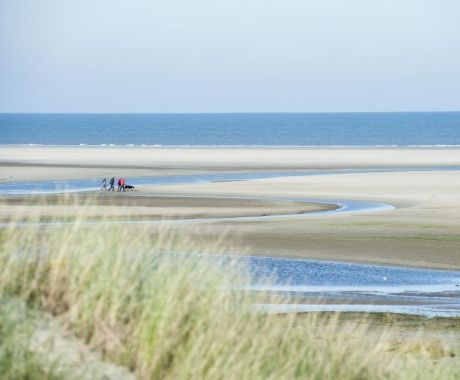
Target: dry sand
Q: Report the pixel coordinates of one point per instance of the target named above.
(21, 162)
(424, 230)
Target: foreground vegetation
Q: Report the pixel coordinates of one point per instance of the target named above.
(139, 303)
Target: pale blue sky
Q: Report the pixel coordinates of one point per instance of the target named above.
(229, 56)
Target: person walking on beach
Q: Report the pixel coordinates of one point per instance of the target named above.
(104, 184)
(112, 183)
(119, 185)
(122, 183)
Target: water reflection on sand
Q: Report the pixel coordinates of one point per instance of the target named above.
(311, 285)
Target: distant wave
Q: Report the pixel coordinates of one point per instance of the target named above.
(236, 146)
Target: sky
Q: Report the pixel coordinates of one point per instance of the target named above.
(229, 55)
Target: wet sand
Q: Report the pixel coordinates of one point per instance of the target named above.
(134, 206)
(424, 230)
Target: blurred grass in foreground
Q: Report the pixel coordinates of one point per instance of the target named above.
(146, 302)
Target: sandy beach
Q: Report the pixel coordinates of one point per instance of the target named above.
(423, 230)
(56, 162)
(121, 206)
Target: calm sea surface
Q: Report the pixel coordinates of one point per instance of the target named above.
(259, 129)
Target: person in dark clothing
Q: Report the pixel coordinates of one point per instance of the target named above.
(104, 184)
(112, 183)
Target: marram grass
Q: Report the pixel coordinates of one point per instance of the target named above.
(146, 301)
(17, 358)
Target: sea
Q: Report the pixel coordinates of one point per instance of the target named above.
(234, 129)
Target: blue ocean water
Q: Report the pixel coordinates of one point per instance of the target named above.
(257, 129)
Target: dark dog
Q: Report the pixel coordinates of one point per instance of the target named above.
(129, 187)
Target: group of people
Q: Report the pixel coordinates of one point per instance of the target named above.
(121, 184)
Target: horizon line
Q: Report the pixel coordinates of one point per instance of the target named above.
(220, 113)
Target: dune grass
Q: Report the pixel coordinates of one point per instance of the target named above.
(146, 301)
(17, 358)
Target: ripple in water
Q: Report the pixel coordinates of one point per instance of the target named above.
(355, 287)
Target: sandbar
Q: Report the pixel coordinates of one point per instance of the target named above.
(423, 230)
